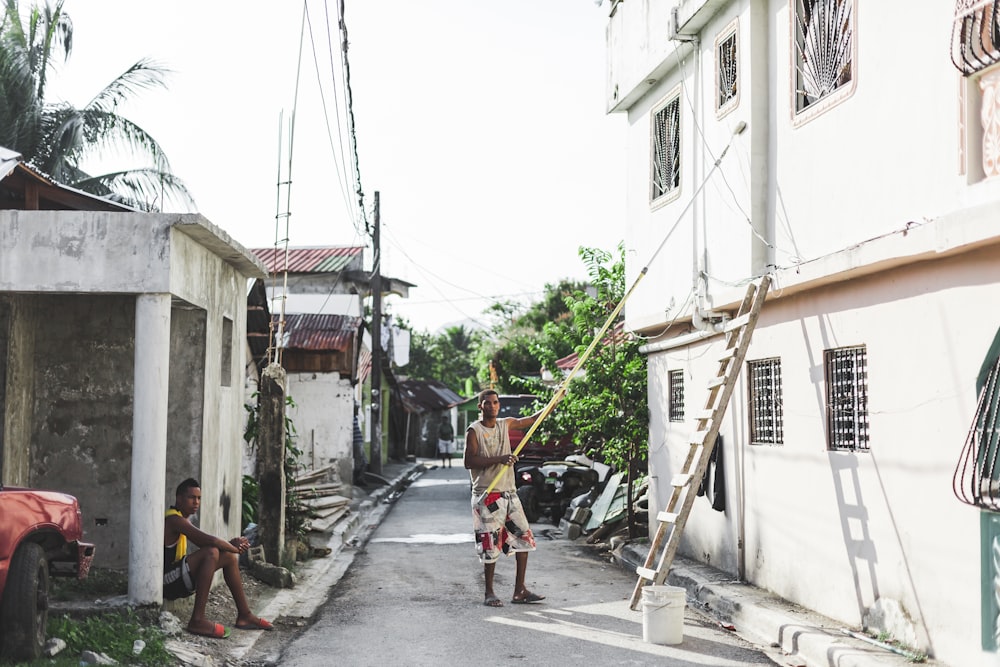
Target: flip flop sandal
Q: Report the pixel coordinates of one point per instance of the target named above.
(530, 598)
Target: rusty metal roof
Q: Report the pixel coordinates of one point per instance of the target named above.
(426, 395)
(327, 259)
(319, 333)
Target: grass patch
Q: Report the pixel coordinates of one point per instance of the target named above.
(99, 584)
(112, 634)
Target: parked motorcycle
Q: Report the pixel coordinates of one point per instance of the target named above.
(547, 488)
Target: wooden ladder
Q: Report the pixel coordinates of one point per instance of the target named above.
(673, 519)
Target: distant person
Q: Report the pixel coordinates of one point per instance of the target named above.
(184, 574)
(446, 441)
(498, 520)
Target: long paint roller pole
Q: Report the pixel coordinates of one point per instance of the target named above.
(556, 397)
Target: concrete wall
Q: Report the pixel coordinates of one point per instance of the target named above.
(839, 531)
(323, 417)
(68, 320)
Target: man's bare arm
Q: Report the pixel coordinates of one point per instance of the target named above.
(474, 459)
(200, 538)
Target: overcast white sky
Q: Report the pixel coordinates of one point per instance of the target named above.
(480, 123)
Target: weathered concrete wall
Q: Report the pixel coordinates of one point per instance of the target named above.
(323, 417)
(18, 352)
(82, 422)
(186, 396)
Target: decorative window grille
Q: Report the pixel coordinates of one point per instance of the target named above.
(975, 35)
(728, 72)
(824, 49)
(977, 476)
(676, 408)
(767, 425)
(666, 166)
(847, 398)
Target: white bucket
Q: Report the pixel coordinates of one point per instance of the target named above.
(663, 614)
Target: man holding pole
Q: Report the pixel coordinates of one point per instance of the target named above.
(498, 519)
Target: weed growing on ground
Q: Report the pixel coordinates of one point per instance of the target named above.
(113, 634)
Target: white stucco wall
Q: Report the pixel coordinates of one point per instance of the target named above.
(880, 231)
(323, 417)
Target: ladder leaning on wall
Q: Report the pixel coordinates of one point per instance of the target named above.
(673, 518)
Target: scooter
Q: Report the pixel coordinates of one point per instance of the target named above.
(547, 488)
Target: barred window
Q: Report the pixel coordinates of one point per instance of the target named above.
(847, 398)
(727, 71)
(824, 49)
(676, 408)
(975, 35)
(666, 150)
(767, 425)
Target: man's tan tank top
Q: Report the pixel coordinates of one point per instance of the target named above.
(492, 442)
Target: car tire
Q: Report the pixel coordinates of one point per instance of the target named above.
(529, 503)
(24, 611)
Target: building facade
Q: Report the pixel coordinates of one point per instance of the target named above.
(854, 162)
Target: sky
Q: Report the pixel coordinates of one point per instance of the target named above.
(481, 125)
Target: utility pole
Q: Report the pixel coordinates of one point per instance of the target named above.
(375, 465)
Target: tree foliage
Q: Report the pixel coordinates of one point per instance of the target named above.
(606, 407)
(58, 138)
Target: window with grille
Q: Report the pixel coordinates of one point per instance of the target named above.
(766, 412)
(727, 71)
(676, 408)
(847, 398)
(666, 151)
(975, 35)
(977, 476)
(823, 33)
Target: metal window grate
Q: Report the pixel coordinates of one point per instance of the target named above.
(728, 72)
(824, 48)
(975, 35)
(666, 149)
(767, 424)
(676, 408)
(847, 398)
(977, 476)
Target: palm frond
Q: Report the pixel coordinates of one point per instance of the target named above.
(145, 74)
(146, 188)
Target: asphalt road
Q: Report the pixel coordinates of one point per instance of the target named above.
(414, 596)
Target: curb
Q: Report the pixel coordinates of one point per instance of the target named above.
(805, 638)
(315, 577)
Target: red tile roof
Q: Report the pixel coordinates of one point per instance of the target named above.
(329, 259)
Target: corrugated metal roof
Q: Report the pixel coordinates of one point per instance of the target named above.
(426, 395)
(320, 333)
(328, 259)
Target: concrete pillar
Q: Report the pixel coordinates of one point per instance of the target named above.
(271, 462)
(149, 448)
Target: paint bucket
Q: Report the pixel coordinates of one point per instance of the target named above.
(663, 614)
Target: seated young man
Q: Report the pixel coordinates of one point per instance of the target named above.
(184, 574)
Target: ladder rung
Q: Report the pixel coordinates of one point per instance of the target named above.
(646, 573)
(737, 322)
(667, 517)
(728, 354)
(697, 438)
(705, 414)
(680, 480)
(717, 382)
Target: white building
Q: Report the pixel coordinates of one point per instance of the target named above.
(838, 145)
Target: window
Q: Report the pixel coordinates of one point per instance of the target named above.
(666, 150)
(227, 352)
(975, 35)
(727, 71)
(676, 408)
(766, 410)
(847, 398)
(823, 58)
(977, 475)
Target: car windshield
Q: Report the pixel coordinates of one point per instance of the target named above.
(515, 406)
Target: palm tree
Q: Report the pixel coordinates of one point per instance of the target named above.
(56, 137)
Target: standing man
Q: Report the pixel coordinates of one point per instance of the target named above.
(446, 441)
(184, 574)
(498, 520)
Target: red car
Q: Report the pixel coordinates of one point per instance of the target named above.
(40, 536)
(519, 405)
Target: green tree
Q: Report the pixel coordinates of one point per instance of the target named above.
(58, 138)
(606, 407)
(447, 357)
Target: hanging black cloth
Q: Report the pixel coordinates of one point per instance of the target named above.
(718, 491)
